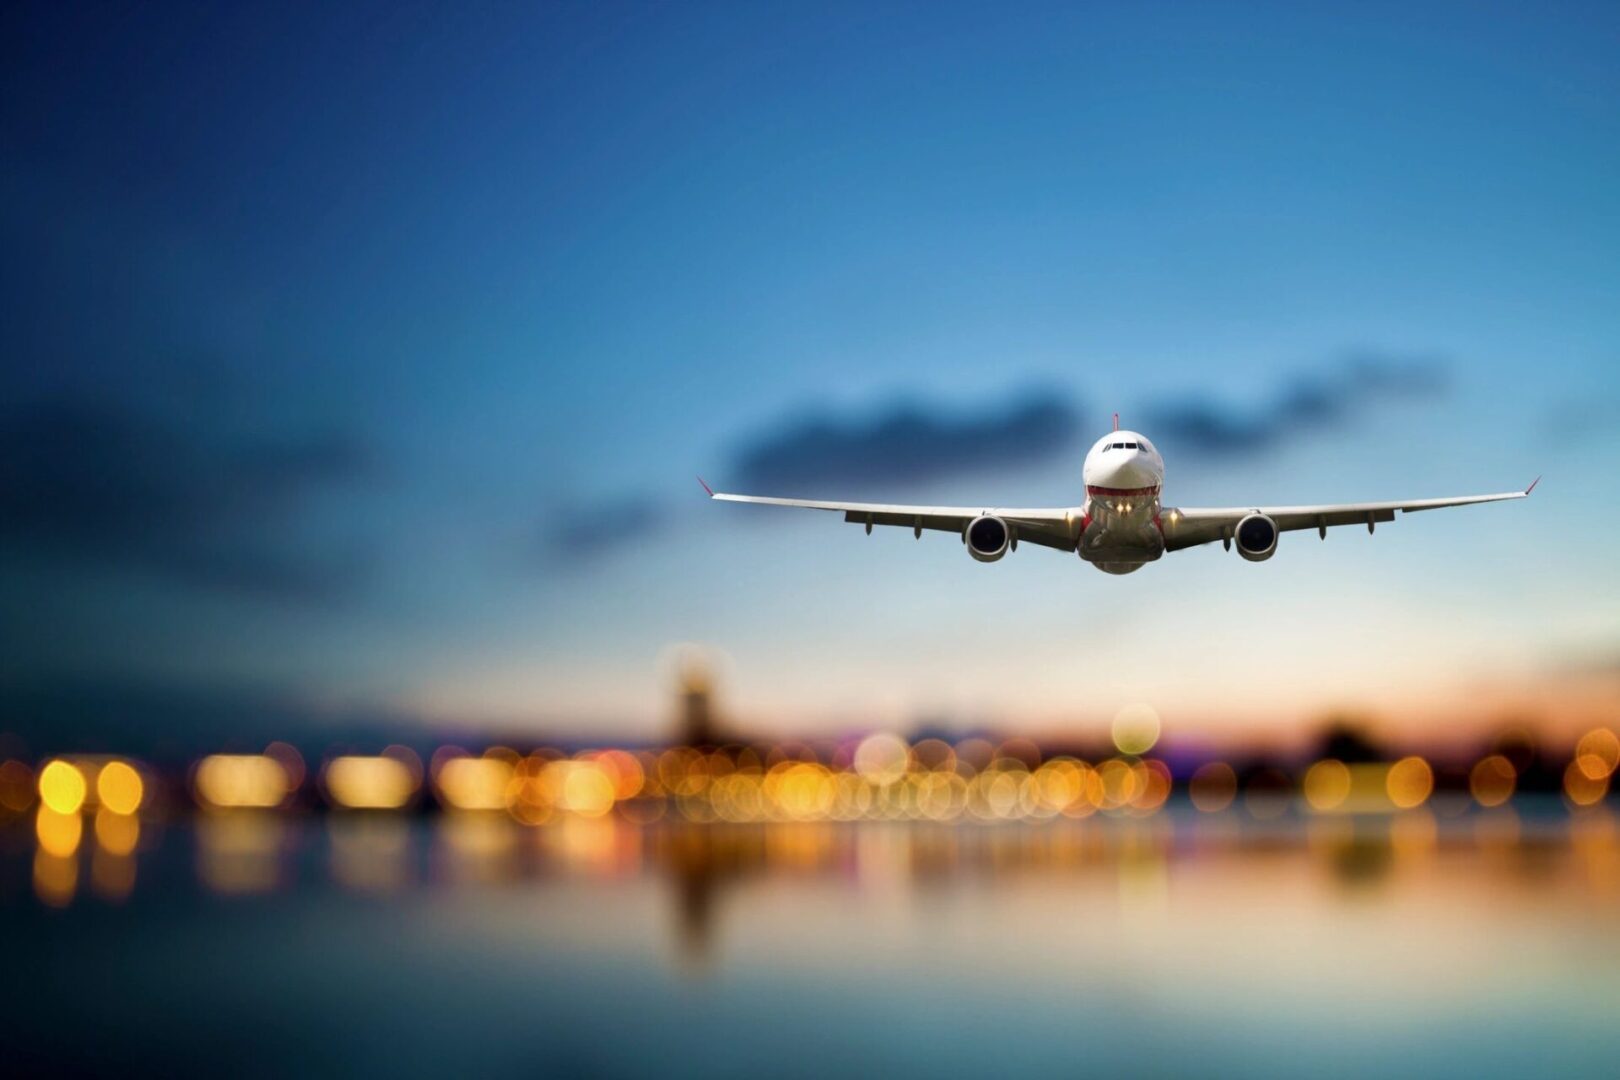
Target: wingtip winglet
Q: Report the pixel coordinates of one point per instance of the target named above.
(706, 487)
(1532, 486)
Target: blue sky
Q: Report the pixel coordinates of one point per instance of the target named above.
(359, 363)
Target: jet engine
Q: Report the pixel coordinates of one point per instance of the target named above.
(988, 538)
(1256, 537)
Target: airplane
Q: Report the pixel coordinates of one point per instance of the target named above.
(1121, 527)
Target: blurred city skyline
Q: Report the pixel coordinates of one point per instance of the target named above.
(358, 365)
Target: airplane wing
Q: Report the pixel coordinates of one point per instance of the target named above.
(1189, 527)
(1050, 528)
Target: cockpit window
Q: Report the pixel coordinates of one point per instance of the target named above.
(1130, 446)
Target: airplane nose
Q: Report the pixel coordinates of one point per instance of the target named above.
(1132, 470)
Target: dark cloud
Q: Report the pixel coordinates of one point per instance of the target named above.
(92, 481)
(906, 443)
(909, 443)
(1304, 403)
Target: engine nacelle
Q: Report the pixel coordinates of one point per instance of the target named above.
(988, 538)
(1256, 537)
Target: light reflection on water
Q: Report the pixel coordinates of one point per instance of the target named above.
(1410, 943)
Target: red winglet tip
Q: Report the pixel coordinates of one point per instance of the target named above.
(1116, 421)
(706, 487)
(1532, 486)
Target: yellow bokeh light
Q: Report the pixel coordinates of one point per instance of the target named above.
(1115, 784)
(1327, 785)
(1492, 780)
(119, 787)
(1598, 753)
(58, 834)
(801, 791)
(882, 758)
(62, 787)
(1136, 728)
(1581, 788)
(587, 790)
(369, 783)
(1213, 787)
(466, 783)
(1409, 783)
(1060, 782)
(242, 780)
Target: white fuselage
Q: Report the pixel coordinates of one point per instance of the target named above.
(1124, 476)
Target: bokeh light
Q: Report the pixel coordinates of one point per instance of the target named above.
(1152, 786)
(1597, 753)
(1136, 728)
(878, 778)
(1492, 780)
(1581, 788)
(62, 787)
(1115, 784)
(469, 783)
(1410, 782)
(119, 787)
(1327, 785)
(587, 790)
(626, 772)
(241, 780)
(882, 758)
(369, 783)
